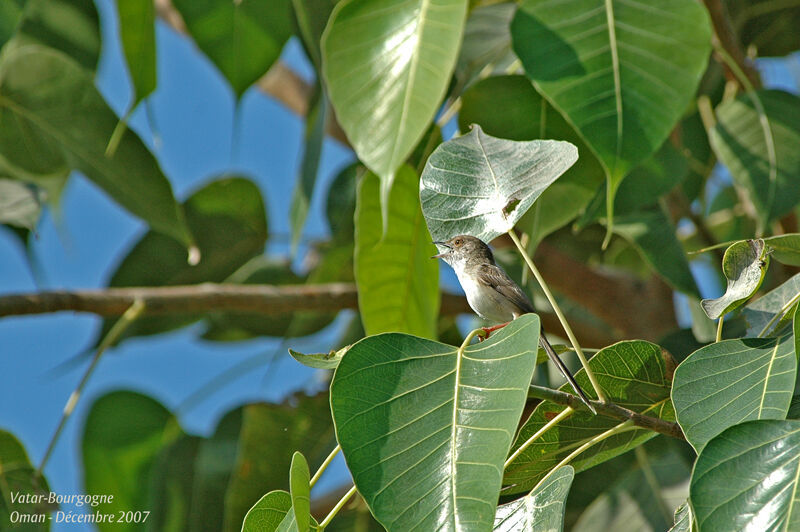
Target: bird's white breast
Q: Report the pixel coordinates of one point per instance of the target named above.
(484, 300)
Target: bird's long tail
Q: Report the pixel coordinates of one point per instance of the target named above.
(564, 371)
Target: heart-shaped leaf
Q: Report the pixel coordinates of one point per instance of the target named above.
(398, 283)
(731, 381)
(760, 149)
(633, 374)
(386, 67)
(481, 185)
(541, 509)
(425, 427)
(242, 38)
(622, 73)
(767, 315)
(748, 478)
(744, 265)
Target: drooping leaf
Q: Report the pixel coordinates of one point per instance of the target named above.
(137, 31)
(320, 360)
(20, 203)
(304, 188)
(764, 459)
(300, 491)
(785, 248)
(767, 315)
(732, 381)
(744, 266)
(760, 150)
(541, 509)
(228, 218)
(387, 66)
(301, 423)
(20, 486)
(486, 46)
(509, 107)
(242, 38)
(124, 434)
(69, 26)
(634, 374)
(398, 283)
(480, 185)
(651, 232)
(49, 107)
(622, 73)
(415, 417)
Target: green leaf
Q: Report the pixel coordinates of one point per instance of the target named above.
(387, 66)
(767, 315)
(541, 509)
(748, 143)
(398, 283)
(20, 203)
(766, 26)
(417, 417)
(340, 205)
(137, 28)
(320, 360)
(70, 26)
(169, 492)
(785, 248)
(652, 234)
(684, 519)
(243, 39)
(18, 479)
(633, 374)
(732, 381)
(764, 459)
(124, 434)
(510, 107)
(10, 15)
(486, 45)
(272, 513)
(309, 167)
(48, 102)
(480, 185)
(300, 423)
(312, 16)
(300, 491)
(621, 78)
(744, 266)
(228, 217)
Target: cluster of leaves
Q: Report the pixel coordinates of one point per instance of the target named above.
(433, 432)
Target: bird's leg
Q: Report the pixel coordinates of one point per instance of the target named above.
(486, 331)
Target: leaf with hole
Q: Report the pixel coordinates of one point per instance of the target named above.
(387, 65)
(414, 417)
(481, 185)
(744, 266)
(634, 374)
(764, 459)
(541, 509)
(623, 73)
(732, 381)
(398, 282)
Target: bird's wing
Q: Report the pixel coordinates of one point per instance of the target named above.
(492, 275)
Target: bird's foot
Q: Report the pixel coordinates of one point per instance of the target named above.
(486, 331)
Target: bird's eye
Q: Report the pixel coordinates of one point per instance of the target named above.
(457, 242)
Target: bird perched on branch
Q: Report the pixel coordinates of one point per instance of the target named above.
(493, 295)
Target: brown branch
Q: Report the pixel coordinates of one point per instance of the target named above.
(727, 38)
(608, 409)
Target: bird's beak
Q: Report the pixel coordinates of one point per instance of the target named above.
(442, 254)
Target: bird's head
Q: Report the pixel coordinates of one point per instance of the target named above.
(462, 248)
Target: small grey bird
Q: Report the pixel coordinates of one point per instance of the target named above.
(492, 294)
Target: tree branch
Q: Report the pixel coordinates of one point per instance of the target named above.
(727, 38)
(608, 409)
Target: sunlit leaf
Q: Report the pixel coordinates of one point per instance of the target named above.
(684, 519)
(20, 203)
(541, 509)
(242, 38)
(744, 266)
(387, 65)
(634, 374)
(425, 428)
(622, 73)
(398, 282)
(748, 143)
(732, 381)
(480, 185)
(320, 360)
(48, 102)
(747, 479)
